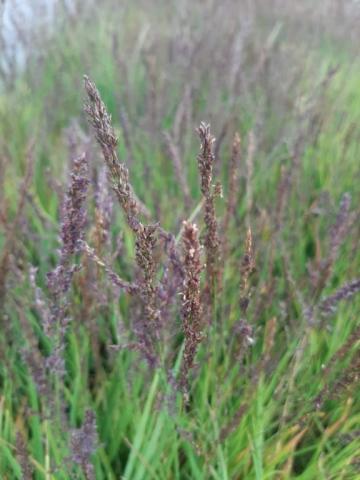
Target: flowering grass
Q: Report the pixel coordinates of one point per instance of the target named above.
(179, 299)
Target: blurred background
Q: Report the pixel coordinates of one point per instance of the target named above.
(255, 64)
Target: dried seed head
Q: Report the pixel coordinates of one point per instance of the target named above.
(337, 235)
(250, 171)
(246, 268)
(145, 244)
(191, 305)
(233, 188)
(347, 380)
(74, 219)
(206, 157)
(329, 304)
(211, 242)
(117, 171)
(339, 229)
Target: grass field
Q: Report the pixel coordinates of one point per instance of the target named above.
(174, 306)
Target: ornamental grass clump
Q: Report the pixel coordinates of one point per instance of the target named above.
(182, 331)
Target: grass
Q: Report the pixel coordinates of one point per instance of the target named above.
(273, 393)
